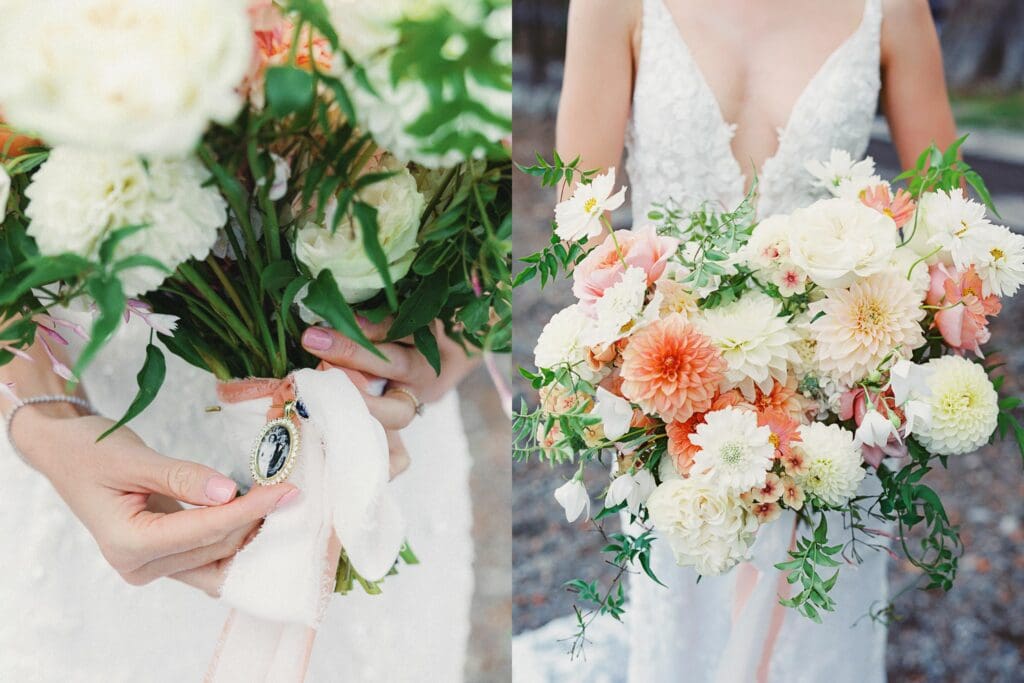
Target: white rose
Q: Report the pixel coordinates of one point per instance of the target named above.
(562, 342)
(144, 77)
(836, 241)
(78, 197)
(399, 207)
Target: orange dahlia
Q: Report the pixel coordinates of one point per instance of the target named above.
(671, 370)
(680, 448)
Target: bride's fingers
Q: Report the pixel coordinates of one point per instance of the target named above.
(338, 349)
(209, 578)
(191, 559)
(394, 410)
(398, 455)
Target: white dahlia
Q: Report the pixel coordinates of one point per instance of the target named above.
(707, 528)
(78, 197)
(964, 406)
(858, 327)
(832, 462)
(735, 453)
(144, 77)
(562, 341)
(756, 343)
(837, 241)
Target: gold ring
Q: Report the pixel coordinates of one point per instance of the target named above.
(417, 404)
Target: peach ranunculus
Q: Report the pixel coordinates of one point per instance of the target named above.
(671, 370)
(963, 320)
(899, 208)
(273, 34)
(603, 267)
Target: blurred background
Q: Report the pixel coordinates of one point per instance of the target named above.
(974, 633)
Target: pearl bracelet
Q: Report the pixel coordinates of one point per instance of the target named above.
(37, 400)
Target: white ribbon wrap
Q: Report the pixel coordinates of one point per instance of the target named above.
(280, 583)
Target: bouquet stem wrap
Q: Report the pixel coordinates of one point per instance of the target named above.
(279, 585)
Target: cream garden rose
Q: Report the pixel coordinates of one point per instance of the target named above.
(836, 241)
(137, 76)
(78, 197)
(399, 207)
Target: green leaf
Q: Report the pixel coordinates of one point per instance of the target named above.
(367, 217)
(150, 379)
(325, 299)
(277, 275)
(422, 306)
(110, 303)
(290, 292)
(44, 271)
(114, 238)
(289, 90)
(427, 345)
(139, 261)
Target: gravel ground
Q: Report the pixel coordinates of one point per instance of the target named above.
(973, 634)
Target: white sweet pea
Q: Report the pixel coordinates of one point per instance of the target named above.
(919, 416)
(875, 430)
(615, 412)
(632, 489)
(908, 379)
(5, 192)
(580, 215)
(573, 497)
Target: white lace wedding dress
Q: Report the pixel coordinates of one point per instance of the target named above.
(66, 617)
(679, 147)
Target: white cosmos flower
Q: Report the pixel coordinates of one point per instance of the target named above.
(735, 453)
(632, 489)
(562, 341)
(580, 215)
(757, 344)
(839, 169)
(999, 260)
(621, 311)
(833, 463)
(5, 192)
(837, 241)
(141, 77)
(78, 197)
(615, 412)
(952, 223)
(574, 499)
(964, 407)
(875, 429)
(707, 527)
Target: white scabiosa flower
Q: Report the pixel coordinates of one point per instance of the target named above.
(840, 170)
(833, 463)
(858, 327)
(621, 310)
(964, 406)
(735, 453)
(580, 215)
(399, 206)
(756, 343)
(999, 259)
(141, 77)
(708, 528)
(574, 499)
(837, 241)
(561, 341)
(78, 197)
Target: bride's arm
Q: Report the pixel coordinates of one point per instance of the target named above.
(914, 95)
(598, 82)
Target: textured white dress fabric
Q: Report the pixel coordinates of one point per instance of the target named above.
(66, 617)
(679, 147)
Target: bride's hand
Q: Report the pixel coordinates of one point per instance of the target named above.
(406, 371)
(126, 496)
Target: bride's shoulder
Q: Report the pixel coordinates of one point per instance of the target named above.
(906, 13)
(619, 16)
(906, 25)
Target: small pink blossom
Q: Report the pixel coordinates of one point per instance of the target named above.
(604, 267)
(791, 281)
(963, 320)
(160, 322)
(899, 208)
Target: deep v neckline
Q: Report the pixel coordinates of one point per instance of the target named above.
(783, 132)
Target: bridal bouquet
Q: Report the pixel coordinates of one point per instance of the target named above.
(727, 369)
(228, 172)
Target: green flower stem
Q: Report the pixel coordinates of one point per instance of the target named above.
(230, 289)
(436, 199)
(222, 309)
(921, 260)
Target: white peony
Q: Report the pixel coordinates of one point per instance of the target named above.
(368, 31)
(399, 206)
(833, 463)
(5, 192)
(580, 215)
(964, 406)
(561, 342)
(621, 311)
(707, 527)
(735, 453)
(757, 344)
(836, 241)
(999, 260)
(841, 171)
(137, 76)
(78, 197)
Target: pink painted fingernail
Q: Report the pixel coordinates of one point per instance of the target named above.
(220, 489)
(286, 498)
(316, 339)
